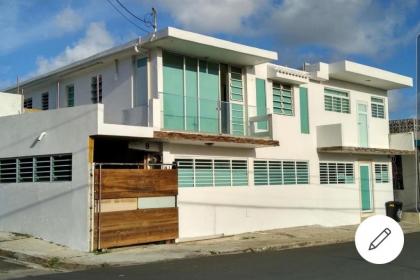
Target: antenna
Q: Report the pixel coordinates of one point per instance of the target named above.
(154, 13)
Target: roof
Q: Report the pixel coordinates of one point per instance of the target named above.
(171, 39)
(366, 75)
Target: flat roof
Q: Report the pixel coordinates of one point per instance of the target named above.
(206, 47)
(366, 75)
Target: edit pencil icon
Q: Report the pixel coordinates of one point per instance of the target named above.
(379, 239)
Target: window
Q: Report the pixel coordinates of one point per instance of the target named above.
(8, 170)
(26, 170)
(70, 96)
(280, 172)
(236, 84)
(381, 173)
(336, 101)
(61, 167)
(209, 172)
(282, 99)
(378, 107)
(27, 103)
(36, 169)
(45, 101)
(96, 89)
(336, 173)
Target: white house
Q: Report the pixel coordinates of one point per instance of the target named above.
(258, 145)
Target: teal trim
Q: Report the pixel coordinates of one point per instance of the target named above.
(261, 102)
(239, 173)
(191, 92)
(173, 87)
(304, 110)
(222, 174)
(365, 188)
(209, 96)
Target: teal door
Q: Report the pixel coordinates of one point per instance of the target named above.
(362, 124)
(365, 189)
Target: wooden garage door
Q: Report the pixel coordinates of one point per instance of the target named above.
(134, 206)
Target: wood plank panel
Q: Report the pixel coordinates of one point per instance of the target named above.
(124, 228)
(128, 183)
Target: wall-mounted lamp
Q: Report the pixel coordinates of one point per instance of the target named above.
(41, 136)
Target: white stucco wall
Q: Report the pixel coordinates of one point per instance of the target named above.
(10, 104)
(56, 211)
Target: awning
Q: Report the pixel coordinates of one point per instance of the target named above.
(364, 151)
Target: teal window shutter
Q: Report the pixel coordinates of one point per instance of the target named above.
(282, 99)
(239, 173)
(304, 110)
(260, 173)
(185, 172)
(222, 173)
(237, 119)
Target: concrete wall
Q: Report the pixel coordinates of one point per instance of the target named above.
(56, 211)
(10, 104)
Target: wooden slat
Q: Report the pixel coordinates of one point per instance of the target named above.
(128, 183)
(124, 228)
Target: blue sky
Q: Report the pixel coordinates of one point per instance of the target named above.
(40, 35)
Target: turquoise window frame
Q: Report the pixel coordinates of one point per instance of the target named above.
(280, 172)
(283, 99)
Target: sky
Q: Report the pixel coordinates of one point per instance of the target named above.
(41, 35)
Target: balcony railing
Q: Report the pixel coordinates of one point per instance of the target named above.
(212, 116)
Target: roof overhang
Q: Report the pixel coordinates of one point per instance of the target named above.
(206, 47)
(213, 139)
(364, 151)
(366, 75)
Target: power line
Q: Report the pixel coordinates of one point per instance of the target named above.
(132, 14)
(123, 15)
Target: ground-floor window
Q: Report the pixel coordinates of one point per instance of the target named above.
(49, 168)
(275, 172)
(336, 173)
(212, 172)
(381, 173)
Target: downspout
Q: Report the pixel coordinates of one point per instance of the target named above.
(58, 94)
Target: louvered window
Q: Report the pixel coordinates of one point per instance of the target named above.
(212, 172)
(280, 172)
(236, 84)
(96, 89)
(27, 103)
(378, 107)
(381, 173)
(8, 171)
(336, 101)
(336, 173)
(45, 100)
(282, 99)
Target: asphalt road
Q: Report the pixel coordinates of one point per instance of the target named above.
(325, 262)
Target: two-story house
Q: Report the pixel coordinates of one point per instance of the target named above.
(257, 145)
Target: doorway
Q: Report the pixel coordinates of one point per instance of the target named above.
(362, 123)
(365, 187)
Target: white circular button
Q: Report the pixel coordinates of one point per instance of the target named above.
(379, 239)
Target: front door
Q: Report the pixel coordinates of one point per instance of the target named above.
(362, 124)
(365, 187)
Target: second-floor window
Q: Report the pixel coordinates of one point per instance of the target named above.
(70, 96)
(27, 103)
(336, 101)
(96, 89)
(45, 101)
(282, 99)
(236, 85)
(378, 107)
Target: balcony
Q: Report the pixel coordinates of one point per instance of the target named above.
(339, 138)
(213, 121)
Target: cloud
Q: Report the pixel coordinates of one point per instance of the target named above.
(224, 16)
(96, 39)
(22, 22)
(402, 104)
(68, 20)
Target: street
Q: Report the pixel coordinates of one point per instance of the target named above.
(325, 262)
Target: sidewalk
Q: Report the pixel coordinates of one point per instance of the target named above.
(50, 255)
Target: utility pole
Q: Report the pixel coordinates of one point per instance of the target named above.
(154, 13)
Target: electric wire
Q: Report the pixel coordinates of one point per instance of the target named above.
(123, 15)
(146, 22)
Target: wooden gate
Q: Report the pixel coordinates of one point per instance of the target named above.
(134, 206)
